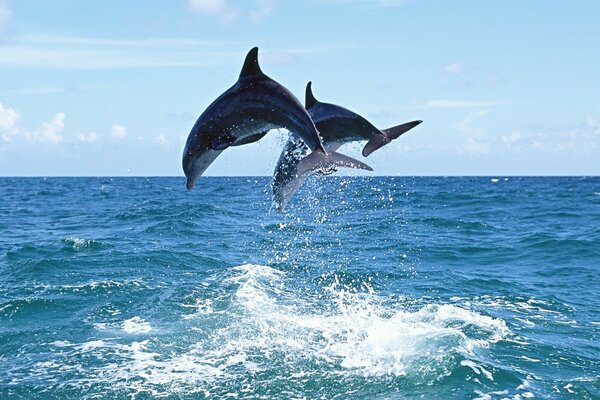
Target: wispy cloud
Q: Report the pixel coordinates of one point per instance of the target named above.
(38, 55)
(60, 52)
(55, 52)
(162, 140)
(453, 69)
(87, 137)
(373, 3)
(6, 19)
(227, 11)
(465, 103)
(217, 8)
(33, 91)
(475, 147)
(575, 138)
(100, 42)
(118, 132)
(466, 125)
(262, 10)
(511, 138)
(593, 124)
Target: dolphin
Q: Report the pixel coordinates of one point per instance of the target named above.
(245, 113)
(337, 126)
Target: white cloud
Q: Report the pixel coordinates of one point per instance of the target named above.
(574, 138)
(217, 8)
(465, 103)
(87, 42)
(49, 131)
(37, 91)
(63, 52)
(262, 10)
(6, 18)
(207, 6)
(9, 119)
(465, 125)
(118, 131)
(89, 138)
(593, 124)
(475, 147)
(162, 140)
(227, 11)
(374, 3)
(537, 145)
(453, 69)
(512, 138)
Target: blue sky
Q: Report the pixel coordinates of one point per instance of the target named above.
(114, 87)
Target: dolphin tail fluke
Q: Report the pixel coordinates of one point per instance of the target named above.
(395, 131)
(379, 140)
(284, 193)
(320, 160)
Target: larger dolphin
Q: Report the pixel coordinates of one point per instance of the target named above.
(244, 114)
(337, 126)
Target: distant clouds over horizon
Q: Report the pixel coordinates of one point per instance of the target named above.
(113, 88)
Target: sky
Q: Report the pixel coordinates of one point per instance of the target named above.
(112, 87)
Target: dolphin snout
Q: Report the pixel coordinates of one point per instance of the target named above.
(194, 165)
(189, 170)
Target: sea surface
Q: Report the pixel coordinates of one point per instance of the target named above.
(365, 288)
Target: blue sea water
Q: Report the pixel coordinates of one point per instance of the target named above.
(366, 288)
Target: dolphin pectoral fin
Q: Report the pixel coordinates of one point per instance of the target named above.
(379, 140)
(223, 142)
(250, 139)
(319, 161)
(395, 131)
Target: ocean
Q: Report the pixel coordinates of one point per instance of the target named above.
(365, 288)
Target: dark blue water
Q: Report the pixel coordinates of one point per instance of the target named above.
(392, 288)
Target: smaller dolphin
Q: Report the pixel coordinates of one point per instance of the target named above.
(337, 126)
(245, 113)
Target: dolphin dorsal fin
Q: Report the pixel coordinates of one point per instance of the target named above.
(251, 66)
(309, 100)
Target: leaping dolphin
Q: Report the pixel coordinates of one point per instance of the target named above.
(337, 126)
(244, 114)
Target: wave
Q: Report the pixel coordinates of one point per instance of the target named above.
(258, 324)
(79, 243)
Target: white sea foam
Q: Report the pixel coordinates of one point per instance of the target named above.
(490, 395)
(93, 344)
(104, 284)
(357, 333)
(79, 243)
(478, 369)
(136, 325)
(60, 343)
(268, 325)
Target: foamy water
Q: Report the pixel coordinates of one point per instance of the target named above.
(270, 328)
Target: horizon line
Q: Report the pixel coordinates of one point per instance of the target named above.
(328, 176)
